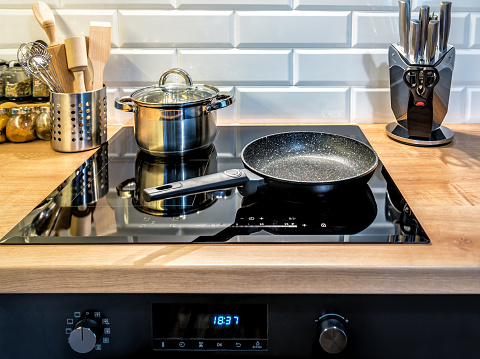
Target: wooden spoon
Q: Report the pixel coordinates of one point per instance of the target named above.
(45, 18)
(99, 50)
(77, 61)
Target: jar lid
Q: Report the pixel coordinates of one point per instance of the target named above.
(19, 111)
(14, 63)
(175, 94)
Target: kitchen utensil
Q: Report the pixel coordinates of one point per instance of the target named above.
(77, 61)
(79, 120)
(35, 60)
(59, 64)
(99, 50)
(88, 73)
(415, 41)
(295, 164)
(174, 119)
(424, 18)
(154, 170)
(432, 40)
(45, 18)
(445, 21)
(421, 81)
(404, 24)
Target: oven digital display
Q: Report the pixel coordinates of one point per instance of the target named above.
(202, 326)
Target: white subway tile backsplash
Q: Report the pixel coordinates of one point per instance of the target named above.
(70, 23)
(292, 29)
(158, 28)
(29, 31)
(346, 4)
(294, 105)
(127, 67)
(457, 5)
(123, 4)
(26, 4)
(474, 41)
(238, 67)
(366, 67)
(371, 105)
(288, 61)
(374, 29)
(466, 68)
(235, 4)
(456, 106)
(473, 105)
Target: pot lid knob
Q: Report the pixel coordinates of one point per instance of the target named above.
(181, 72)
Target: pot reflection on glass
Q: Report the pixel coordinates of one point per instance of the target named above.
(156, 171)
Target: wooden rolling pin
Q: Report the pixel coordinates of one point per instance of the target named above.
(76, 50)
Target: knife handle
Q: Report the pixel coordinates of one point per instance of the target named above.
(415, 40)
(445, 21)
(423, 17)
(404, 24)
(432, 40)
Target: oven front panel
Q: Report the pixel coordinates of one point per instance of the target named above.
(145, 326)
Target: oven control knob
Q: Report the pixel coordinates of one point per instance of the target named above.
(85, 335)
(332, 337)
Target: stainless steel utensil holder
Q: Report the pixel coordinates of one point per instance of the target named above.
(79, 120)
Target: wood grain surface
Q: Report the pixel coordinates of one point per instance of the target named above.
(441, 185)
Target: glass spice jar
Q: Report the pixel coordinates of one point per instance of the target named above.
(40, 92)
(18, 84)
(3, 67)
(43, 128)
(21, 126)
(4, 117)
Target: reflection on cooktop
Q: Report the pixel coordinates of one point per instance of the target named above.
(101, 202)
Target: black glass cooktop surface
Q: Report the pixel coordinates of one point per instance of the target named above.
(102, 202)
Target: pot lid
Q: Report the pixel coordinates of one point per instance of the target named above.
(174, 93)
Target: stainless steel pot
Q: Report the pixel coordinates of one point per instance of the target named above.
(152, 170)
(174, 119)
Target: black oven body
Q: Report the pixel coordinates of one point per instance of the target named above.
(147, 326)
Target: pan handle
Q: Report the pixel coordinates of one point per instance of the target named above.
(221, 180)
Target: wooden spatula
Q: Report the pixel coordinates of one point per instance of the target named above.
(99, 50)
(45, 18)
(77, 61)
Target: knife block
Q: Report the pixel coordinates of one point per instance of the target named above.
(415, 125)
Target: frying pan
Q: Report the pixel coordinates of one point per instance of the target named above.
(293, 163)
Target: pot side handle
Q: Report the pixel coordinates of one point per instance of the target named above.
(121, 105)
(220, 101)
(123, 192)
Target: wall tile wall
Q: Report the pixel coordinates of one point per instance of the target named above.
(287, 61)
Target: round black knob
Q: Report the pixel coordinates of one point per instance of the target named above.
(85, 335)
(332, 336)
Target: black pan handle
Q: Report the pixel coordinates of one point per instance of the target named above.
(222, 180)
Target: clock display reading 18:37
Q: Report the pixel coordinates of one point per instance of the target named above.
(225, 320)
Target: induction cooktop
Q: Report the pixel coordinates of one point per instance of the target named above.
(101, 202)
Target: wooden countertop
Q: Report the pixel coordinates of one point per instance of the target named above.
(441, 184)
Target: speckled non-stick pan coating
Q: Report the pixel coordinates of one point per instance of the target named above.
(309, 158)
